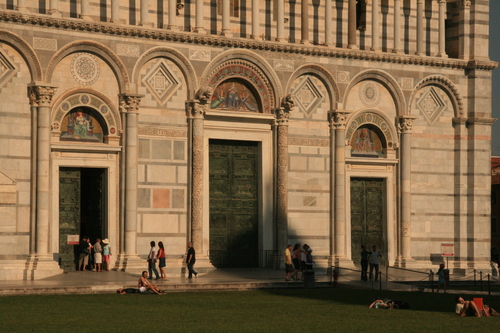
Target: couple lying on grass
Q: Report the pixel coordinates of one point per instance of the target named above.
(144, 287)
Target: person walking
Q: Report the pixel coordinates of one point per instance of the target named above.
(106, 253)
(152, 261)
(365, 255)
(161, 257)
(85, 250)
(288, 262)
(191, 260)
(97, 255)
(374, 261)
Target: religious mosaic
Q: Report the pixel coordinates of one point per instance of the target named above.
(366, 143)
(80, 125)
(85, 68)
(233, 96)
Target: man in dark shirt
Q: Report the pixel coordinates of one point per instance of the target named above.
(190, 260)
(364, 263)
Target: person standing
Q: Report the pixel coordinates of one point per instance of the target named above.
(161, 257)
(374, 261)
(97, 255)
(106, 253)
(296, 261)
(440, 274)
(152, 261)
(191, 260)
(85, 249)
(364, 263)
(288, 262)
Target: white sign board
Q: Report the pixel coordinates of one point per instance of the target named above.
(447, 250)
(73, 240)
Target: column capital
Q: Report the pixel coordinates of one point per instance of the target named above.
(282, 113)
(405, 124)
(464, 3)
(338, 119)
(41, 94)
(198, 107)
(130, 102)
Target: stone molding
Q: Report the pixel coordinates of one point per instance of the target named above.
(308, 142)
(162, 132)
(159, 34)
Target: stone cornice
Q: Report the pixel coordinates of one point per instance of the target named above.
(214, 40)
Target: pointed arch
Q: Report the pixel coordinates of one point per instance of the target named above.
(25, 51)
(101, 51)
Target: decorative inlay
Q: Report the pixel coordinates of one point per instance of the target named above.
(128, 50)
(308, 96)
(200, 55)
(283, 65)
(169, 133)
(161, 82)
(369, 93)
(309, 142)
(48, 44)
(85, 68)
(430, 104)
(406, 83)
(7, 69)
(343, 77)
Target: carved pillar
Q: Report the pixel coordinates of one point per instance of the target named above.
(331, 125)
(281, 123)
(442, 29)
(255, 19)
(131, 105)
(328, 23)
(405, 125)
(42, 95)
(420, 28)
(34, 104)
(338, 121)
(375, 25)
(115, 11)
(351, 25)
(397, 27)
(145, 14)
(226, 18)
(304, 39)
(280, 24)
(199, 18)
(464, 29)
(196, 113)
(172, 14)
(85, 15)
(54, 8)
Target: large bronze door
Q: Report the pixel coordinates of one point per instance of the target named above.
(69, 216)
(233, 203)
(367, 215)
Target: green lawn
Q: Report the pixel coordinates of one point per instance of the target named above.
(302, 310)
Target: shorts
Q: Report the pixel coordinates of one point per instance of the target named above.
(296, 263)
(163, 262)
(97, 258)
(106, 257)
(288, 268)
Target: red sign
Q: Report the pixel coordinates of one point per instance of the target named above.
(73, 240)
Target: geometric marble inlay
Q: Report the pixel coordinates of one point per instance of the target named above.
(161, 83)
(7, 69)
(431, 105)
(307, 96)
(369, 93)
(85, 68)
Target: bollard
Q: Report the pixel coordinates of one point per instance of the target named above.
(489, 286)
(309, 279)
(335, 278)
(481, 280)
(431, 280)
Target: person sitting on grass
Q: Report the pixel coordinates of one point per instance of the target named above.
(381, 304)
(145, 285)
(466, 308)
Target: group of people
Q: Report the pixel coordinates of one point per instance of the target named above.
(468, 308)
(297, 259)
(94, 257)
(372, 259)
(159, 256)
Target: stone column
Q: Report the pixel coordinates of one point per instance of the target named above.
(420, 28)
(331, 125)
(145, 14)
(351, 25)
(328, 23)
(115, 11)
(280, 21)
(54, 8)
(85, 15)
(397, 27)
(405, 124)
(442, 29)
(304, 30)
(375, 25)
(281, 123)
(172, 15)
(43, 95)
(199, 18)
(226, 19)
(131, 105)
(339, 123)
(196, 113)
(34, 104)
(21, 6)
(464, 29)
(255, 19)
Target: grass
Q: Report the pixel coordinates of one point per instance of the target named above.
(301, 310)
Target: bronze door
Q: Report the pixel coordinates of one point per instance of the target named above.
(233, 203)
(367, 215)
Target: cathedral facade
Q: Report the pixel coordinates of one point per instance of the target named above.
(243, 126)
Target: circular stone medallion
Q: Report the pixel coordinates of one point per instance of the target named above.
(85, 68)
(369, 93)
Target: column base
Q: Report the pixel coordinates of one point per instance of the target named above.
(33, 268)
(55, 13)
(352, 47)
(397, 51)
(147, 24)
(200, 30)
(343, 262)
(202, 265)
(442, 55)
(172, 28)
(281, 40)
(86, 18)
(22, 9)
(130, 263)
(226, 33)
